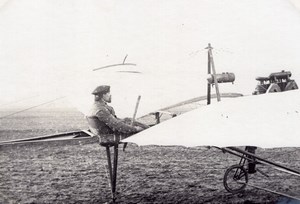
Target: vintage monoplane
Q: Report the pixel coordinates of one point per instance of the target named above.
(236, 122)
(49, 45)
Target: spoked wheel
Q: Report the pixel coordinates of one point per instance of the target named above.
(235, 179)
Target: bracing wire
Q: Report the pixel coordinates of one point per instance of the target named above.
(18, 100)
(23, 110)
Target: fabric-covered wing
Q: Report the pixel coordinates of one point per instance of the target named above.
(267, 120)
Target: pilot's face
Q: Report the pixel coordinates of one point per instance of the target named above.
(107, 97)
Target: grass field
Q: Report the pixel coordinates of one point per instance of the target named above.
(75, 171)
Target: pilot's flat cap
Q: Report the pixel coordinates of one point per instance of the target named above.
(101, 90)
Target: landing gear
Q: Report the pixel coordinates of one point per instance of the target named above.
(113, 169)
(111, 142)
(235, 179)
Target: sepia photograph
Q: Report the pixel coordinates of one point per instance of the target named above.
(147, 101)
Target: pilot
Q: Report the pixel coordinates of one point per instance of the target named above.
(103, 120)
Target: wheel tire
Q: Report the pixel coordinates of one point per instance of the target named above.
(235, 179)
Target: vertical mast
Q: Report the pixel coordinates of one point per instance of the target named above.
(212, 65)
(208, 72)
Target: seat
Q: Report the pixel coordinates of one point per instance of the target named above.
(104, 139)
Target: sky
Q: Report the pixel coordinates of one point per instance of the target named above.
(49, 48)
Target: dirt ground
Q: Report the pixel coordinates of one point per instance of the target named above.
(76, 172)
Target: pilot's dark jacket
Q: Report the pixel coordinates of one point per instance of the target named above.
(102, 120)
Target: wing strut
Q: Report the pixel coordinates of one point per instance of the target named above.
(260, 160)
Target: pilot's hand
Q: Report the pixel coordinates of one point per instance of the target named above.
(138, 128)
(127, 121)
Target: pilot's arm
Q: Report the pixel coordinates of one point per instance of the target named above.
(117, 125)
